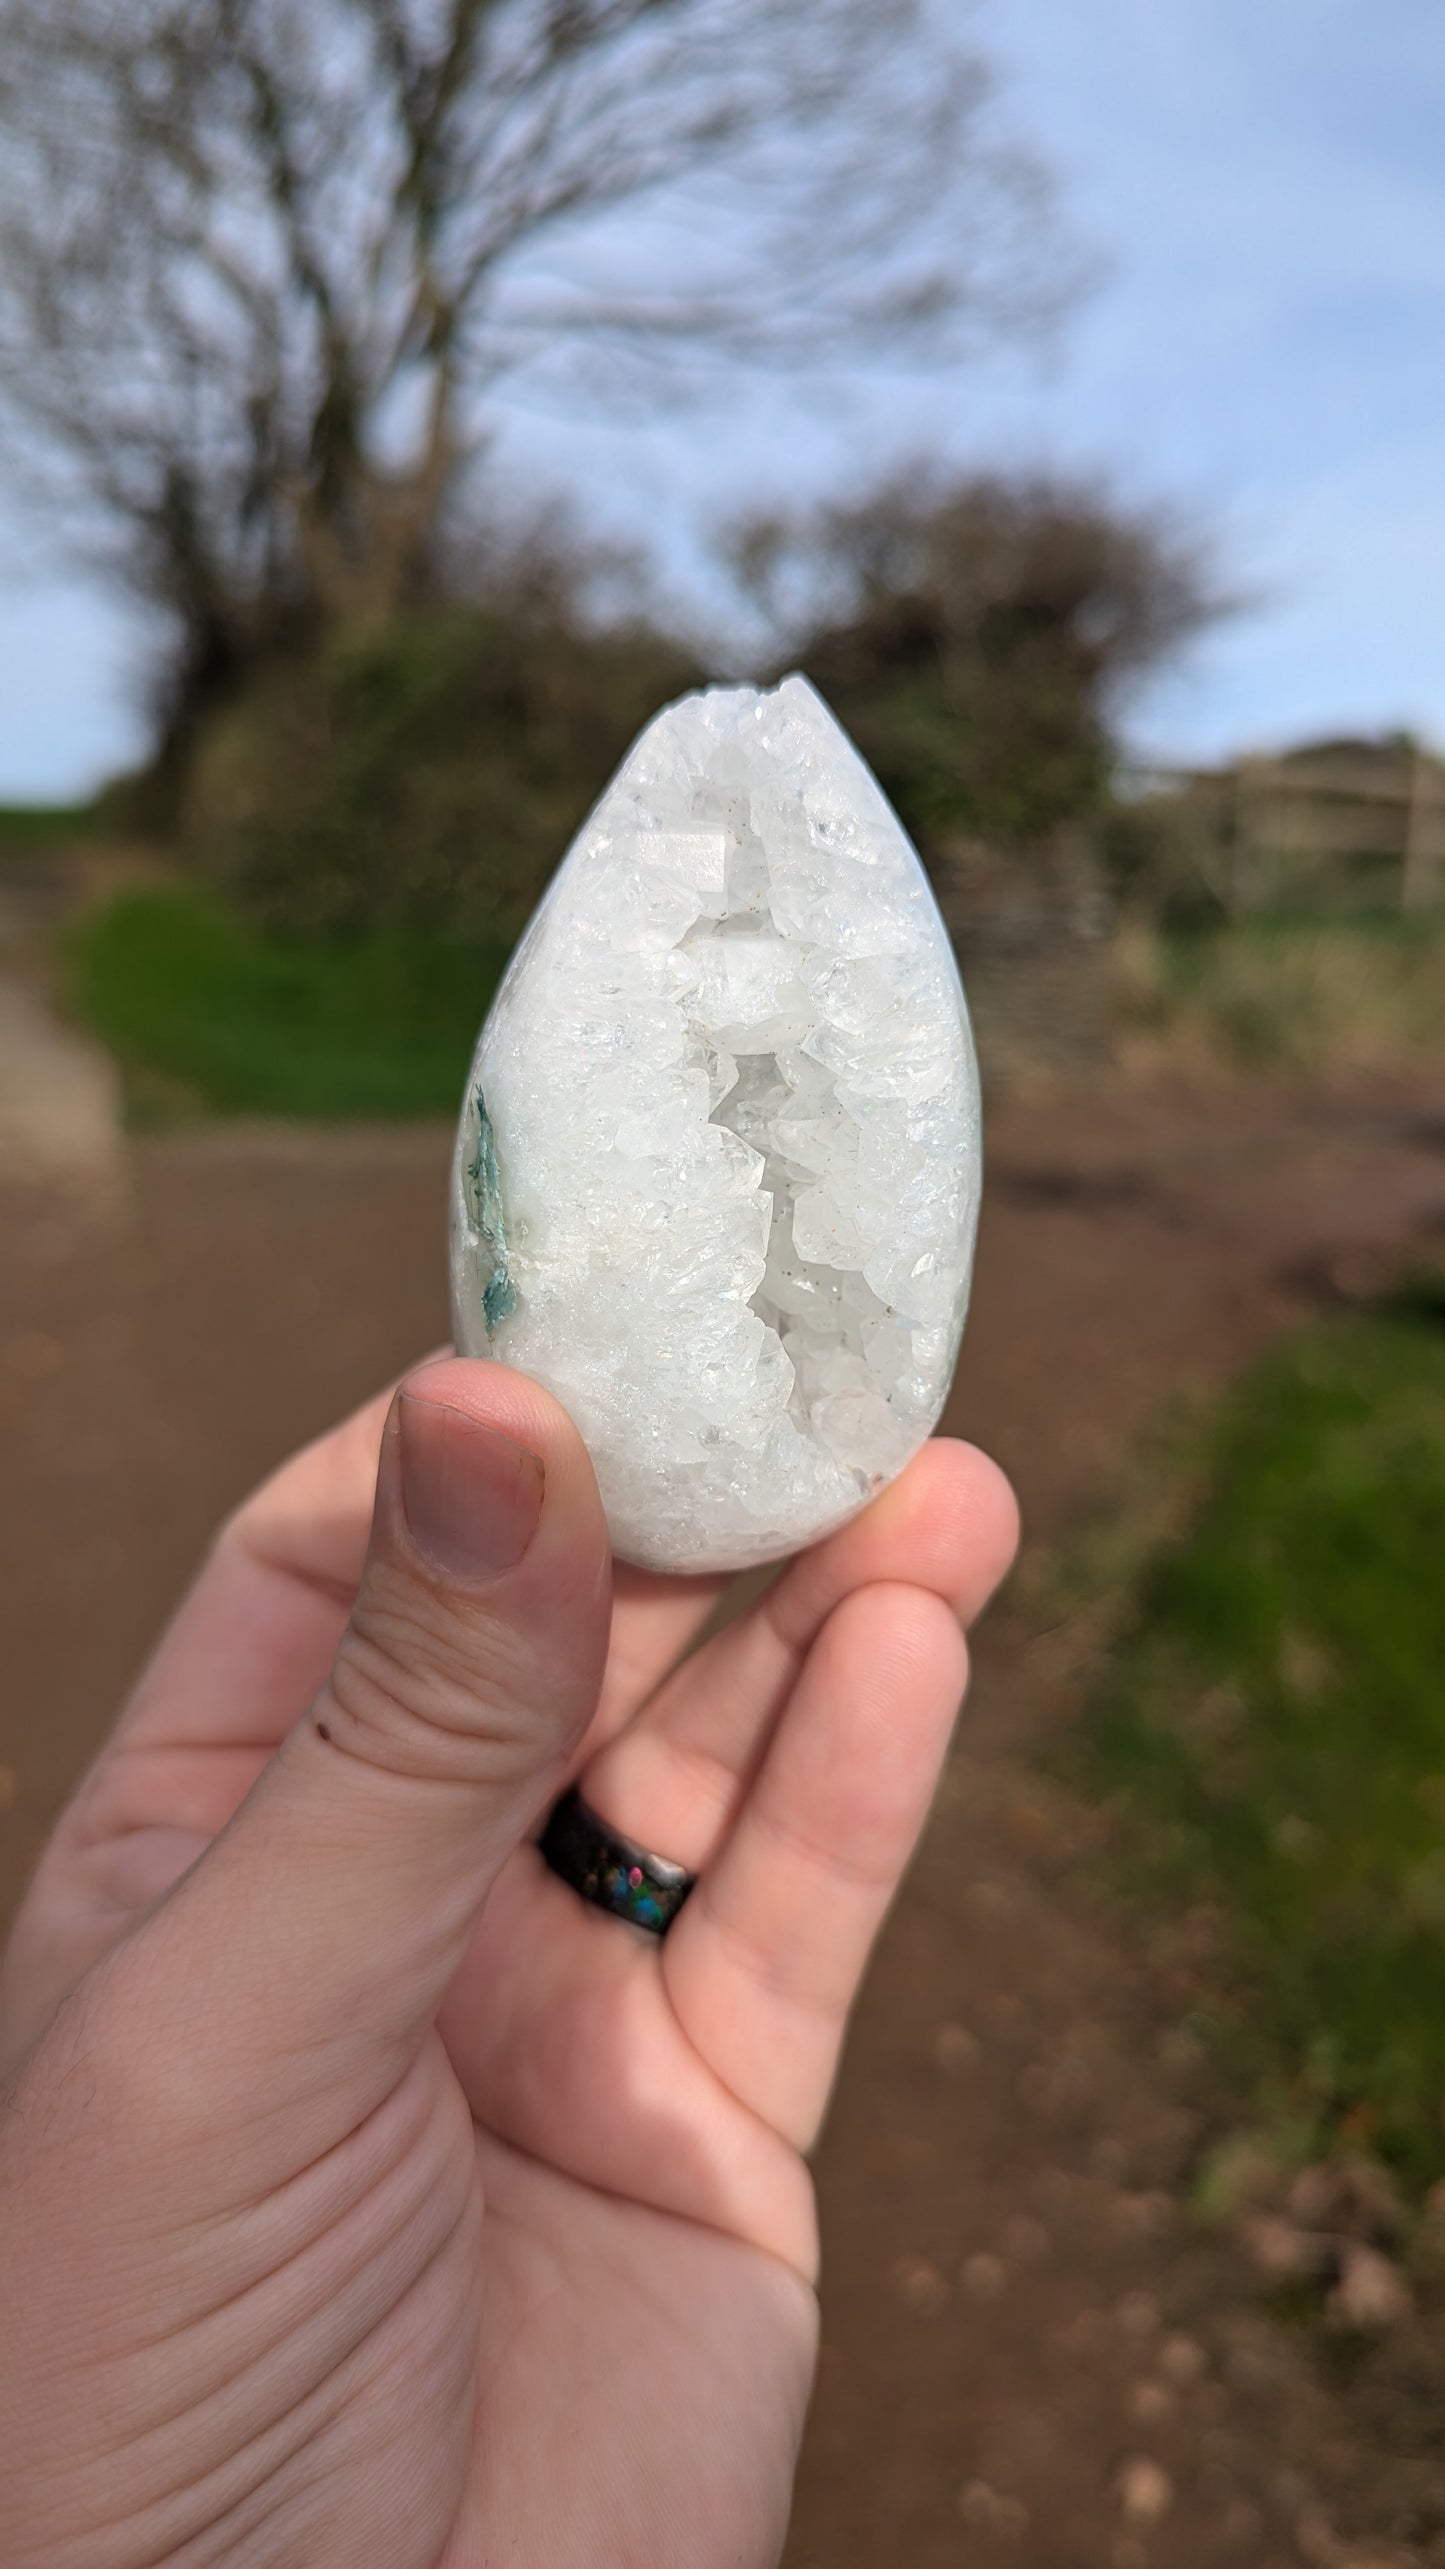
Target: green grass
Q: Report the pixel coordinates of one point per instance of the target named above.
(203, 1012)
(1272, 1725)
(33, 829)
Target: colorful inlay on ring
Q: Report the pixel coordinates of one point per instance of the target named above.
(609, 1870)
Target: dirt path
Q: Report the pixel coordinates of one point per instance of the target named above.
(1029, 2353)
(59, 1094)
(1030, 2350)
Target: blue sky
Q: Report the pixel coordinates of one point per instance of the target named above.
(1265, 184)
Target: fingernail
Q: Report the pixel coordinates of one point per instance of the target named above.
(472, 1498)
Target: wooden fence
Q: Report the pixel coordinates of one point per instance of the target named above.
(1345, 825)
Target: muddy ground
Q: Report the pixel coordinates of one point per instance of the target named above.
(1031, 2350)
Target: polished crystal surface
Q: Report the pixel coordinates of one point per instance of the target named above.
(718, 1169)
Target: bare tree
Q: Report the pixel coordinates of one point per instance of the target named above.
(265, 264)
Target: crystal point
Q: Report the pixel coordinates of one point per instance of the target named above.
(718, 1170)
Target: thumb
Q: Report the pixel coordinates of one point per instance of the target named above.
(310, 1948)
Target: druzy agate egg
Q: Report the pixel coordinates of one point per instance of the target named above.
(718, 1169)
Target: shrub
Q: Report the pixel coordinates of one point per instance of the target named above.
(974, 634)
(427, 775)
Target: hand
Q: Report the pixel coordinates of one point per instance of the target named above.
(367, 2198)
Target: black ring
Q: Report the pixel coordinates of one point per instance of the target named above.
(610, 1870)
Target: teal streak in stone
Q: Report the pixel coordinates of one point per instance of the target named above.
(484, 1189)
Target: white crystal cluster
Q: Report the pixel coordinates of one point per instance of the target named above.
(718, 1170)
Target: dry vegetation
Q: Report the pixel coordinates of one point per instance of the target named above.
(1320, 999)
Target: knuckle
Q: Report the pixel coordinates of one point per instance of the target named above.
(423, 1691)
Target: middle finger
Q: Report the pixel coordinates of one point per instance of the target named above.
(674, 1777)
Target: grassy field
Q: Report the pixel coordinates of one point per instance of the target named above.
(1271, 1731)
(206, 1014)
